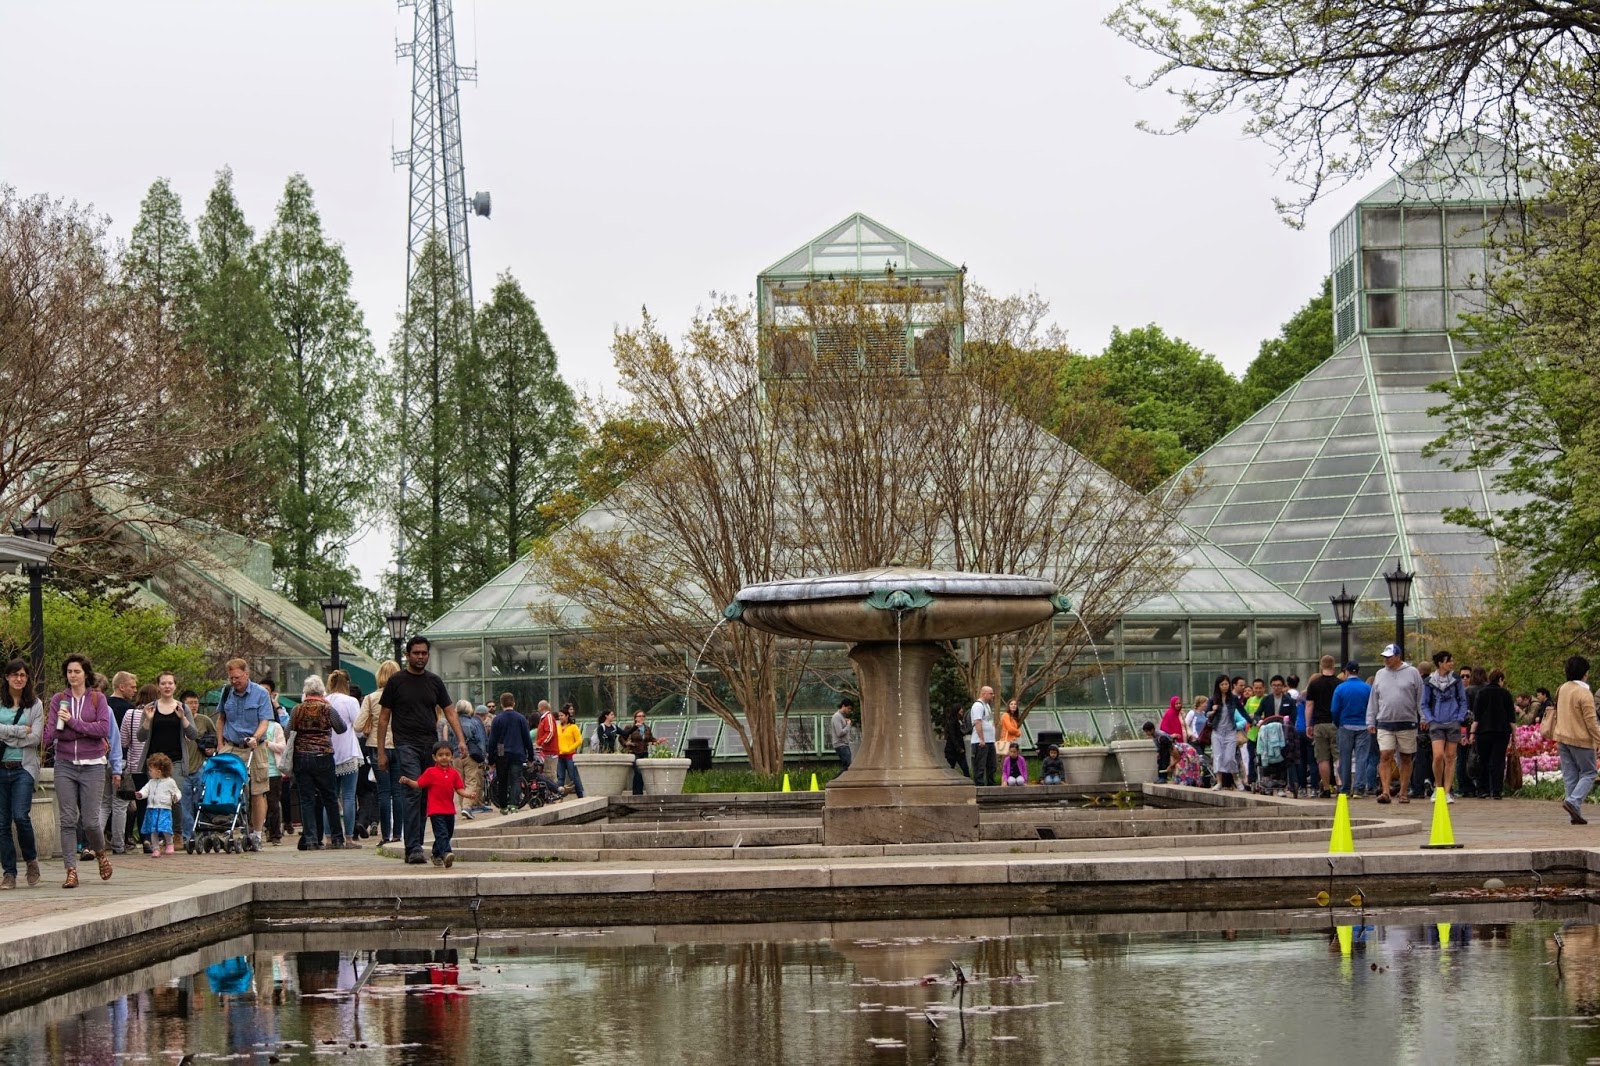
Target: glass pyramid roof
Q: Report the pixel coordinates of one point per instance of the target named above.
(859, 245)
(1466, 169)
(1327, 485)
(1212, 583)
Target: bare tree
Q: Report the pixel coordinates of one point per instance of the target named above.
(1338, 90)
(875, 445)
(106, 415)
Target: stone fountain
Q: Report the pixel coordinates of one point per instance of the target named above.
(898, 789)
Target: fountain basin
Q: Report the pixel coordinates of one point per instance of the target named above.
(898, 789)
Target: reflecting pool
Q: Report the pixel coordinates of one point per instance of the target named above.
(1472, 984)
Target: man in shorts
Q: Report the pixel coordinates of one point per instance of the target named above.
(242, 714)
(1320, 727)
(1393, 710)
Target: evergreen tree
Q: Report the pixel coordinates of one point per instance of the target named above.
(1299, 348)
(441, 507)
(229, 320)
(159, 264)
(521, 415)
(317, 394)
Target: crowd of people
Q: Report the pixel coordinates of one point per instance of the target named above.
(1394, 735)
(130, 762)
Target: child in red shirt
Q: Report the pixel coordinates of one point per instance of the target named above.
(442, 784)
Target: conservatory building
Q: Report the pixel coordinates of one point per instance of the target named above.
(518, 635)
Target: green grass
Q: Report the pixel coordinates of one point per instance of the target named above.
(736, 780)
(1549, 789)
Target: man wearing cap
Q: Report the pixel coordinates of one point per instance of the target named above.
(1349, 712)
(1393, 710)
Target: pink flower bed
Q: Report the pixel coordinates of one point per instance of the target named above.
(1538, 754)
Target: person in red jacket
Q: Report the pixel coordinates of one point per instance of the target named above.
(443, 784)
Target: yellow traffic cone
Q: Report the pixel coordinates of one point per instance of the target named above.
(786, 787)
(1441, 835)
(814, 786)
(1341, 843)
(1346, 937)
(1444, 935)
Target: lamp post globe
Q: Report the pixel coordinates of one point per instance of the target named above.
(43, 533)
(1399, 581)
(398, 621)
(333, 608)
(1344, 610)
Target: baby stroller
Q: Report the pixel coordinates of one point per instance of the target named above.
(224, 791)
(537, 789)
(1271, 751)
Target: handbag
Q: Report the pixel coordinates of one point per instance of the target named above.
(1547, 724)
(1513, 769)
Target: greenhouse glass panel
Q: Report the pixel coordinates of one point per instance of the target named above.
(1360, 547)
(1324, 508)
(730, 742)
(1081, 723)
(1425, 309)
(1464, 225)
(1382, 269)
(456, 658)
(1380, 227)
(1422, 225)
(1466, 267)
(1283, 550)
(527, 692)
(1424, 268)
(1217, 641)
(1383, 311)
(652, 694)
(669, 731)
(519, 656)
(1467, 302)
(801, 733)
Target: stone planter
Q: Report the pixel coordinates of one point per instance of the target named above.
(1082, 766)
(46, 824)
(1136, 759)
(663, 777)
(606, 775)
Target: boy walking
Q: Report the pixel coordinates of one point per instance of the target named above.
(443, 784)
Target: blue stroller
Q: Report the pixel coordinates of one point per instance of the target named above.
(220, 813)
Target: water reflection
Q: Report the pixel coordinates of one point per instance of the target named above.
(1474, 984)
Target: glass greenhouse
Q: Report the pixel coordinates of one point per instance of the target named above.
(1326, 487)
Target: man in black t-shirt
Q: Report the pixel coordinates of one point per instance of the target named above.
(413, 699)
(1320, 726)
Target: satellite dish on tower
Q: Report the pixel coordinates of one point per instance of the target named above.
(480, 204)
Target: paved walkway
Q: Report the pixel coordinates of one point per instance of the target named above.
(1478, 824)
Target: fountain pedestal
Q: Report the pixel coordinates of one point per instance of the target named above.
(897, 621)
(898, 788)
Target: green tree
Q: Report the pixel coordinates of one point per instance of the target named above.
(1168, 385)
(114, 636)
(1338, 89)
(607, 455)
(1524, 404)
(1301, 346)
(228, 319)
(159, 265)
(523, 425)
(318, 401)
(440, 509)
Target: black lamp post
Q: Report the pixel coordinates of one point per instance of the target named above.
(333, 608)
(1344, 609)
(39, 531)
(1400, 595)
(397, 621)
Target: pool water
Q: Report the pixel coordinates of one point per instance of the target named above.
(1463, 986)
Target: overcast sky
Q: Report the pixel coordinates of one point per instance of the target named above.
(647, 154)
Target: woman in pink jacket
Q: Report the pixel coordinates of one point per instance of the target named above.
(77, 721)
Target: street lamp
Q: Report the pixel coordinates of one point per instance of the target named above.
(1344, 609)
(1400, 595)
(397, 621)
(42, 533)
(333, 608)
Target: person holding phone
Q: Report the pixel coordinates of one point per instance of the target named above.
(77, 725)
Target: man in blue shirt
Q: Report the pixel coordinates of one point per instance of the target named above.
(1349, 708)
(243, 713)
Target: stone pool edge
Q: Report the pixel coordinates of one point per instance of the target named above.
(46, 955)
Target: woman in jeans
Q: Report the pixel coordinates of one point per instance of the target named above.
(366, 726)
(311, 730)
(346, 751)
(21, 729)
(77, 721)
